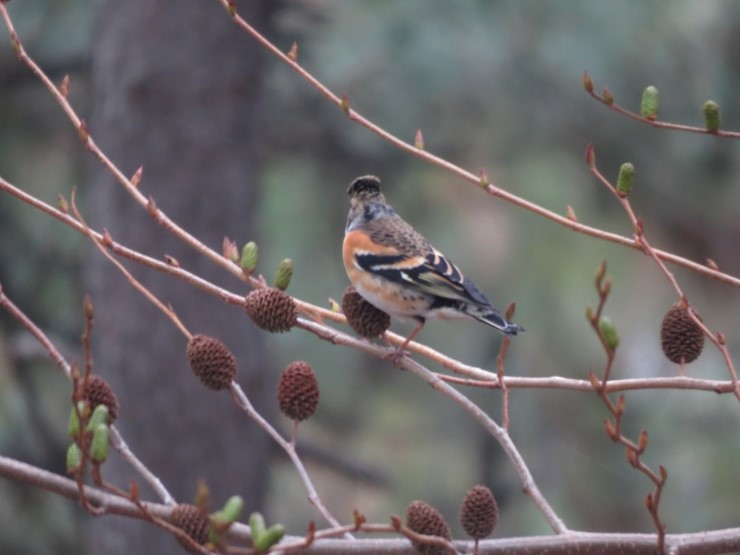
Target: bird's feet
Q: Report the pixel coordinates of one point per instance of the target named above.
(396, 355)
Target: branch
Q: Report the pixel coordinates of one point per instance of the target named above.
(607, 99)
(609, 341)
(478, 180)
(700, 543)
(622, 197)
(480, 377)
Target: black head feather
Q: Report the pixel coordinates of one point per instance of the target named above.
(366, 187)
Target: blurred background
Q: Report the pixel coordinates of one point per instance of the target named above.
(235, 143)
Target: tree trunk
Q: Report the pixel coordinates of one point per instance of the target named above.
(176, 90)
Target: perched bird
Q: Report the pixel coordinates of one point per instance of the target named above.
(395, 269)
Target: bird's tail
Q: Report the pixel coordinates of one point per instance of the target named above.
(495, 320)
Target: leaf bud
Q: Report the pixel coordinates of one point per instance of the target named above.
(625, 179)
(74, 458)
(250, 256)
(649, 103)
(284, 273)
(609, 333)
(710, 110)
(100, 443)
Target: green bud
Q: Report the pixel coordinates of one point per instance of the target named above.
(609, 333)
(219, 520)
(711, 115)
(99, 416)
(257, 525)
(233, 508)
(222, 520)
(269, 537)
(219, 526)
(649, 103)
(250, 256)
(73, 427)
(74, 458)
(284, 273)
(100, 443)
(625, 179)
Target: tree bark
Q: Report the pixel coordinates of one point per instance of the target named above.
(176, 89)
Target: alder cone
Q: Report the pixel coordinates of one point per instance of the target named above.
(422, 518)
(271, 309)
(191, 520)
(98, 392)
(211, 361)
(479, 513)
(363, 317)
(680, 337)
(298, 391)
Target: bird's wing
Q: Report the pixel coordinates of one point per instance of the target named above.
(431, 273)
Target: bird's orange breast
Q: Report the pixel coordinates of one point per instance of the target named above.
(359, 242)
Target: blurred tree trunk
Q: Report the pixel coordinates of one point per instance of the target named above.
(177, 90)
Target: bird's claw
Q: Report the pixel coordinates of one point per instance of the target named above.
(395, 356)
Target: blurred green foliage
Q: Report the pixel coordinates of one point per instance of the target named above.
(493, 85)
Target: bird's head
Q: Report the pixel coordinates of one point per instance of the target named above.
(366, 202)
(365, 189)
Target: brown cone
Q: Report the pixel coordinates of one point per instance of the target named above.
(191, 520)
(422, 518)
(98, 392)
(211, 361)
(680, 337)
(298, 391)
(271, 309)
(363, 317)
(479, 513)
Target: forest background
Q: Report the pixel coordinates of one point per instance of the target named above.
(493, 85)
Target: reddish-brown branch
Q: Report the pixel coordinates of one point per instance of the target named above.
(477, 377)
(650, 251)
(613, 426)
(609, 103)
(564, 220)
(312, 311)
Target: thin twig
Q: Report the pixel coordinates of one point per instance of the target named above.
(650, 251)
(479, 377)
(353, 115)
(245, 404)
(499, 433)
(609, 103)
(613, 426)
(151, 297)
(502, 381)
(116, 438)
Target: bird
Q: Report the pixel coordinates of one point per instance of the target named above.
(394, 268)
